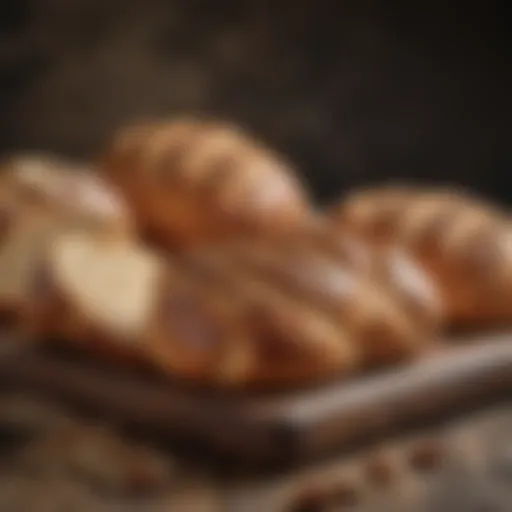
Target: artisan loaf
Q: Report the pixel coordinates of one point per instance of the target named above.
(190, 182)
(386, 305)
(265, 308)
(247, 313)
(121, 301)
(462, 242)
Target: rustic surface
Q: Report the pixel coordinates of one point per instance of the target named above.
(286, 427)
(53, 461)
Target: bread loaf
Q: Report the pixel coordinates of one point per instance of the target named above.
(120, 301)
(244, 310)
(245, 313)
(464, 243)
(300, 314)
(384, 296)
(190, 182)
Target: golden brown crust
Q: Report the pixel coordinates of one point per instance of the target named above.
(255, 311)
(355, 306)
(251, 313)
(461, 241)
(215, 325)
(192, 181)
(393, 268)
(404, 280)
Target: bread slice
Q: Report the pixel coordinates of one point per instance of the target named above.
(109, 286)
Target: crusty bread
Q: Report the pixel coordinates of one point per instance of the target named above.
(245, 313)
(460, 240)
(384, 301)
(270, 307)
(120, 301)
(191, 182)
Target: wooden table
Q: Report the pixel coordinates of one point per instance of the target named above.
(58, 458)
(52, 461)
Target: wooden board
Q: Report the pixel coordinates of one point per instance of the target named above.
(277, 428)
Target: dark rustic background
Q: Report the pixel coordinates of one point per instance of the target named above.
(353, 91)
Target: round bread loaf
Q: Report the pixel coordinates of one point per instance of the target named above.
(464, 244)
(190, 182)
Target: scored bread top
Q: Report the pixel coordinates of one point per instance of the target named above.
(317, 309)
(393, 267)
(192, 181)
(461, 240)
